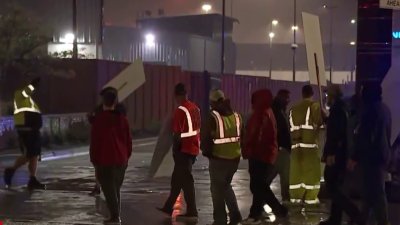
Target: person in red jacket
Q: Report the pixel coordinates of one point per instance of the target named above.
(260, 147)
(110, 150)
(186, 131)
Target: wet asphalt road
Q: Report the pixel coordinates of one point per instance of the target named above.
(69, 180)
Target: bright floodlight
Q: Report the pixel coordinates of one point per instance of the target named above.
(150, 39)
(295, 27)
(271, 35)
(275, 22)
(353, 21)
(69, 38)
(353, 43)
(206, 7)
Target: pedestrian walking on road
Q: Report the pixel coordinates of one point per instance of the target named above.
(261, 149)
(28, 122)
(305, 120)
(282, 165)
(110, 150)
(336, 154)
(372, 152)
(220, 143)
(186, 147)
(120, 108)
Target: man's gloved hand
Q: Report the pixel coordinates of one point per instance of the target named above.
(35, 82)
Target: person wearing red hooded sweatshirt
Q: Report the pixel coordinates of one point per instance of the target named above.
(110, 150)
(260, 147)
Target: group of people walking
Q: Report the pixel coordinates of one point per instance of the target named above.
(274, 140)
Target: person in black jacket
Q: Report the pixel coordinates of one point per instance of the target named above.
(335, 156)
(282, 165)
(372, 152)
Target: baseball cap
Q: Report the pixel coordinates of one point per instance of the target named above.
(217, 95)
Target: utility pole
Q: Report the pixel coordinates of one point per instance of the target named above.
(294, 45)
(330, 8)
(223, 38)
(75, 30)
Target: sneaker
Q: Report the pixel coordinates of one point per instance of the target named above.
(35, 184)
(96, 191)
(187, 218)
(165, 211)
(113, 221)
(8, 175)
(251, 221)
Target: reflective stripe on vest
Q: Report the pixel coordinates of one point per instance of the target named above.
(306, 126)
(190, 132)
(222, 139)
(303, 145)
(26, 109)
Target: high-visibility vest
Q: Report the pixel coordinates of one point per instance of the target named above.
(303, 126)
(191, 131)
(226, 138)
(24, 103)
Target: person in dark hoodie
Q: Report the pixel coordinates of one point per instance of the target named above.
(120, 108)
(110, 150)
(220, 143)
(260, 147)
(282, 165)
(336, 154)
(372, 152)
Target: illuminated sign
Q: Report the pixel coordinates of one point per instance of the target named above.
(396, 35)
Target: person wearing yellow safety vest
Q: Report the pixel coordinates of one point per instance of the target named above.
(220, 142)
(305, 120)
(28, 121)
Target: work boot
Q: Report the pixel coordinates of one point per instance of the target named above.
(35, 184)
(282, 212)
(111, 221)
(328, 222)
(8, 175)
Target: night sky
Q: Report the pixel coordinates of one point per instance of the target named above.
(254, 15)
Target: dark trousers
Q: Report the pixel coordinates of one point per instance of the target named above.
(111, 179)
(259, 186)
(374, 195)
(334, 178)
(182, 179)
(221, 175)
(282, 168)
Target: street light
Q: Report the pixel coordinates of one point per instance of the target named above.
(352, 43)
(353, 21)
(295, 28)
(275, 22)
(206, 7)
(150, 39)
(68, 38)
(271, 36)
